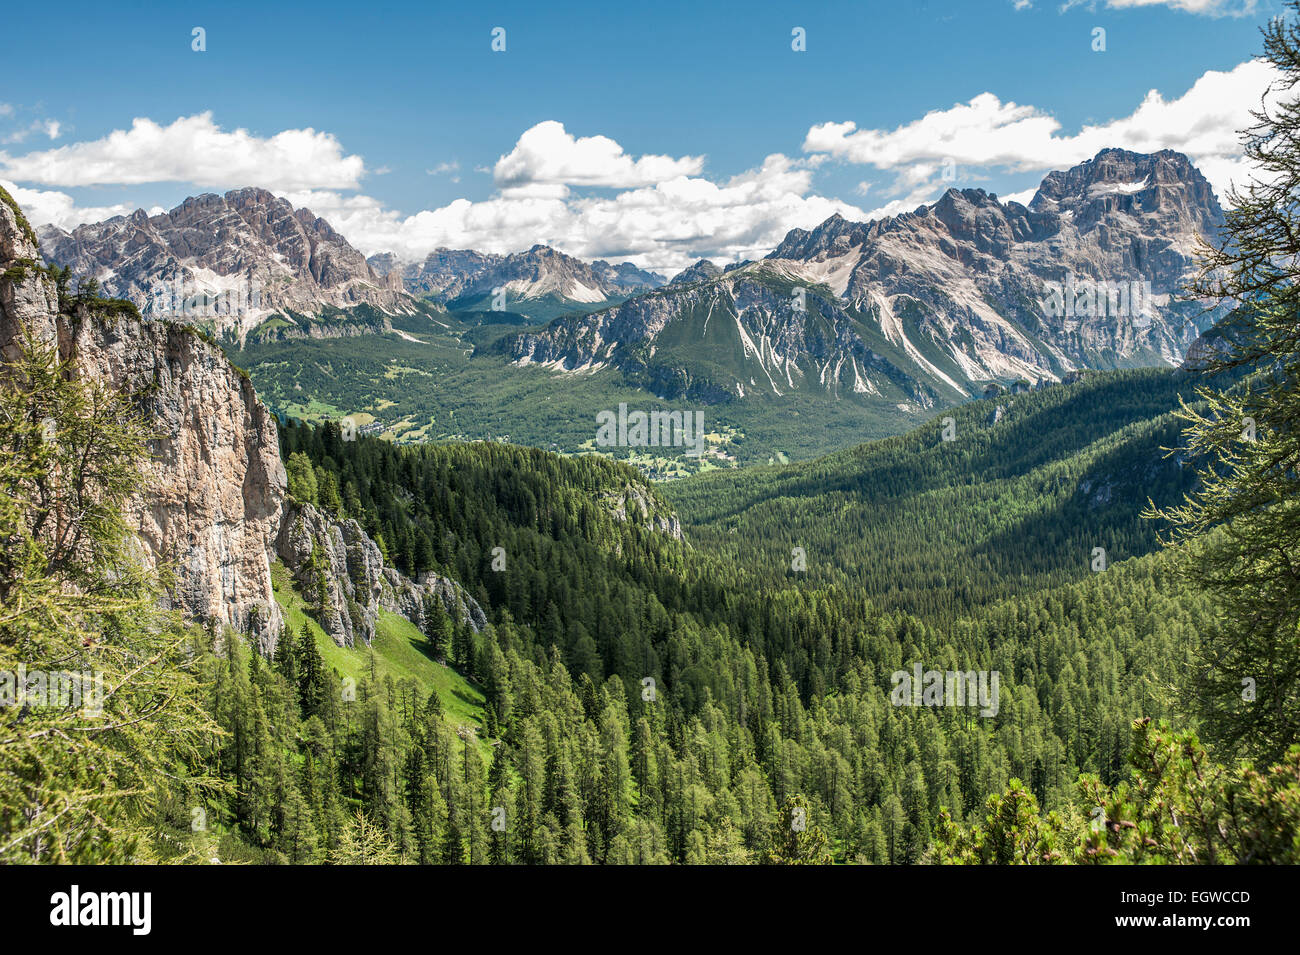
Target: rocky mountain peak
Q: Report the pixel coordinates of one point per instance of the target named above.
(973, 215)
(834, 236)
(930, 305)
(701, 271)
(1164, 185)
(249, 252)
(463, 277)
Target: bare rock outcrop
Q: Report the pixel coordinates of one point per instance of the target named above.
(210, 506)
(232, 262)
(340, 559)
(636, 503)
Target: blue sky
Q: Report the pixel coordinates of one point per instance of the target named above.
(412, 111)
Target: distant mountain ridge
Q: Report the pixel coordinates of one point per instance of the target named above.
(886, 320)
(231, 262)
(922, 307)
(468, 279)
(701, 271)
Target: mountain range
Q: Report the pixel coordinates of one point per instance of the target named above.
(845, 331)
(531, 282)
(927, 306)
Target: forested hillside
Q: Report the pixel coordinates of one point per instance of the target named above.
(767, 695)
(1000, 496)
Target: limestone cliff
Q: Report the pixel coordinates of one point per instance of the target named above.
(214, 510)
(211, 506)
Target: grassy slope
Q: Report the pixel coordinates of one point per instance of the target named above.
(399, 651)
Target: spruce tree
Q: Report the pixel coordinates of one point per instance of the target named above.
(286, 658)
(1240, 527)
(313, 683)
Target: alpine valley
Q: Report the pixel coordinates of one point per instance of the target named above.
(378, 640)
(494, 614)
(846, 332)
(643, 499)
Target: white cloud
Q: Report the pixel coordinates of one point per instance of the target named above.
(985, 132)
(547, 154)
(1022, 197)
(49, 207)
(193, 149)
(50, 127)
(665, 226)
(662, 212)
(1212, 8)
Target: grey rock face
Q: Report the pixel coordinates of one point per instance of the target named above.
(931, 304)
(231, 261)
(357, 583)
(210, 505)
(452, 275)
(28, 300)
